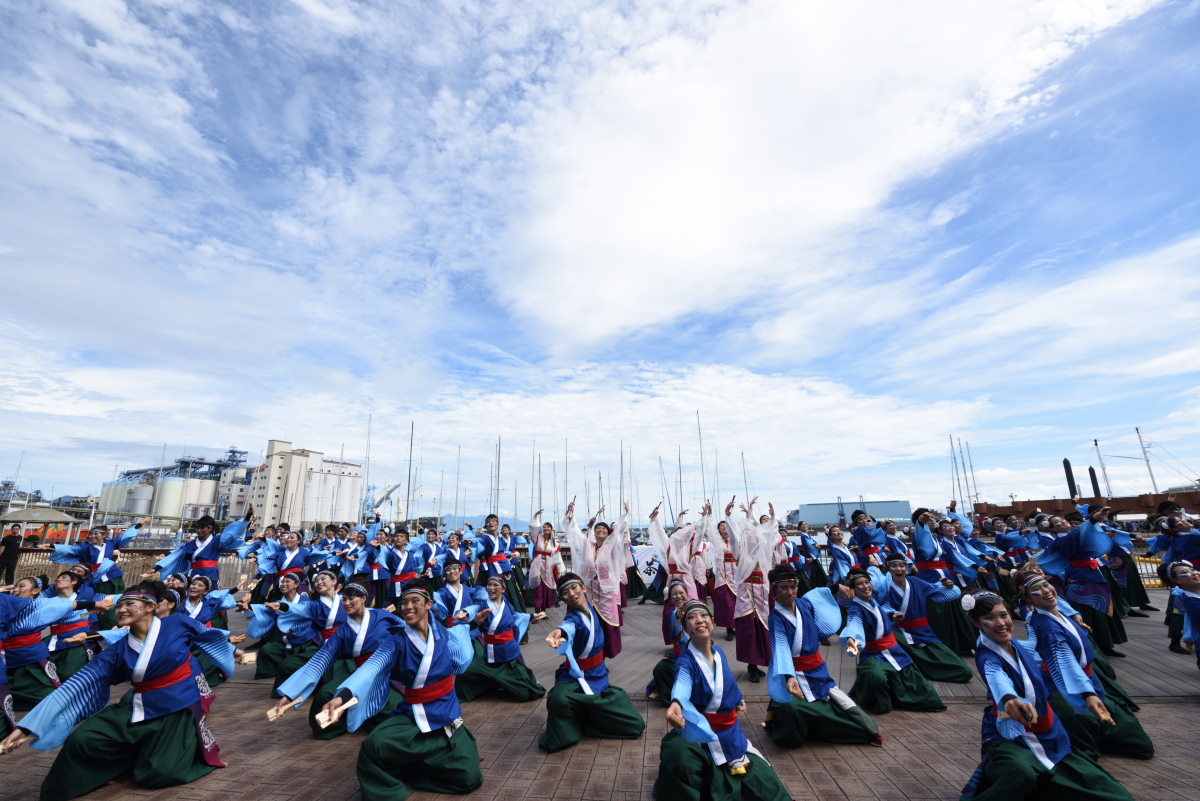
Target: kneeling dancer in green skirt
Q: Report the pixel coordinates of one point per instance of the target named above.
(349, 647)
(582, 702)
(423, 744)
(497, 664)
(806, 702)
(158, 732)
(707, 755)
(886, 677)
(1026, 752)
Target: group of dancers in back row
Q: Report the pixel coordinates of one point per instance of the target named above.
(390, 635)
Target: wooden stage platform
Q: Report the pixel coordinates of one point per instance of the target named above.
(925, 756)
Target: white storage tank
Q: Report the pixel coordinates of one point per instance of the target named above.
(168, 497)
(137, 502)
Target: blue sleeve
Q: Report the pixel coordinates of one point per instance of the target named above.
(1068, 676)
(127, 536)
(262, 620)
(854, 627)
(37, 613)
(232, 534)
(938, 592)
(67, 554)
(696, 728)
(80, 697)
(923, 544)
(825, 610)
(880, 582)
(213, 642)
(177, 561)
(370, 685)
(967, 525)
(780, 668)
(462, 652)
(301, 684)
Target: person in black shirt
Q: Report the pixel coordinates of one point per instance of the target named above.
(10, 552)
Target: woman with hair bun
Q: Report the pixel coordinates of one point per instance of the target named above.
(1026, 752)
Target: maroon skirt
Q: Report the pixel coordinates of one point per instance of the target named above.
(753, 643)
(543, 597)
(612, 639)
(724, 602)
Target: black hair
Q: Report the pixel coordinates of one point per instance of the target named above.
(420, 583)
(567, 578)
(208, 521)
(856, 573)
(782, 573)
(985, 602)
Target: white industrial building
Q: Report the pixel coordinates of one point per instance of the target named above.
(303, 488)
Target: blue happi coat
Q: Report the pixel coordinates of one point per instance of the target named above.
(868, 622)
(798, 637)
(165, 652)
(355, 641)
(709, 696)
(584, 640)
(1066, 652)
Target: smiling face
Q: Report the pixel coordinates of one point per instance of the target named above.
(699, 625)
(289, 540)
(996, 623)
(786, 592)
(130, 613)
(414, 608)
(1186, 577)
(452, 540)
(288, 583)
(96, 536)
(835, 535)
(495, 590)
(25, 588)
(898, 569)
(678, 595)
(862, 587)
(576, 596)
(353, 604)
(548, 530)
(601, 532)
(1041, 595)
(196, 589)
(491, 525)
(1059, 525)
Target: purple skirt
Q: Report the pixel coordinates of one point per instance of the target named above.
(753, 643)
(612, 639)
(543, 597)
(724, 602)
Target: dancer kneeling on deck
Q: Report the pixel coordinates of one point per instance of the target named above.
(886, 677)
(910, 597)
(709, 757)
(424, 742)
(805, 700)
(1026, 752)
(497, 663)
(157, 732)
(582, 701)
(349, 647)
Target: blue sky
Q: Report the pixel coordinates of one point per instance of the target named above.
(840, 233)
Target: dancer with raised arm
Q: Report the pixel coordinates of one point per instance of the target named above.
(706, 755)
(598, 555)
(582, 702)
(1026, 753)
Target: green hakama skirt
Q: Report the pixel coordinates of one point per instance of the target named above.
(686, 773)
(794, 723)
(1107, 630)
(879, 688)
(29, 684)
(514, 589)
(571, 713)
(1134, 590)
(817, 576)
(108, 618)
(68, 661)
(397, 754)
(512, 677)
(937, 662)
(1092, 738)
(663, 680)
(1013, 773)
(951, 626)
(159, 753)
(634, 584)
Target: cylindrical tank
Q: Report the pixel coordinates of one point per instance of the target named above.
(168, 497)
(137, 502)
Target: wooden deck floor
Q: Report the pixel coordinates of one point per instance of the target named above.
(925, 756)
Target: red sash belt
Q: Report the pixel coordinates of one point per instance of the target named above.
(430, 692)
(1195, 562)
(916, 623)
(491, 560)
(21, 641)
(63, 628)
(409, 576)
(95, 567)
(794, 557)
(204, 563)
(358, 660)
(673, 569)
(375, 567)
(181, 673)
(870, 549)
(882, 644)
(287, 571)
(1016, 553)
(327, 633)
(589, 662)
(720, 721)
(542, 553)
(808, 661)
(937, 565)
(496, 639)
(755, 577)
(730, 558)
(1087, 564)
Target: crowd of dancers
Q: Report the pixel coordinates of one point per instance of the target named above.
(392, 631)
